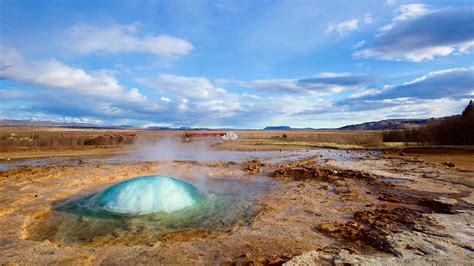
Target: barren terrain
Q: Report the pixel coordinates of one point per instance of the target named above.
(298, 203)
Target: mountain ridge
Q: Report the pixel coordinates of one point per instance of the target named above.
(386, 124)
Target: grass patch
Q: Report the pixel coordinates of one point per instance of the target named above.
(327, 145)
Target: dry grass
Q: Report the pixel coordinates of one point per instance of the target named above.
(358, 138)
(30, 139)
(312, 144)
(41, 139)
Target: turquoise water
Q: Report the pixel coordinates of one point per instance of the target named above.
(140, 210)
(145, 195)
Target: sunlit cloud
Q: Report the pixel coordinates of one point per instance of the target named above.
(85, 38)
(420, 32)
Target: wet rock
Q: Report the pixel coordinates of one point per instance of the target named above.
(253, 166)
(308, 169)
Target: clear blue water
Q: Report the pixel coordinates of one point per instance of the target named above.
(145, 195)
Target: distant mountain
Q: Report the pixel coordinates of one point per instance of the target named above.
(277, 128)
(389, 124)
(36, 123)
(182, 128)
(159, 128)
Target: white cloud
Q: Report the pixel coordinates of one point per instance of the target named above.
(343, 27)
(190, 101)
(390, 3)
(418, 55)
(420, 32)
(447, 83)
(197, 94)
(413, 10)
(100, 93)
(444, 72)
(333, 74)
(198, 88)
(165, 99)
(288, 85)
(326, 83)
(135, 96)
(368, 91)
(54, 74)
(406, 12)
(368, 19)
(123, 39)
(359, 44)
(402, 108)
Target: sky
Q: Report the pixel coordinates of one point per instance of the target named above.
(239, 64)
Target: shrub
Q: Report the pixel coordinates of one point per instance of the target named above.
(457, 130)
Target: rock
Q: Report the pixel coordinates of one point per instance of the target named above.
(325, 187)
(429, 175)
(448, 164)
(414, 160)
(447, 201)
(401, 153)
(253, 166)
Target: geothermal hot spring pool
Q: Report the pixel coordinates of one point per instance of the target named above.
(145, 195)
(141, 210)
(147, 209)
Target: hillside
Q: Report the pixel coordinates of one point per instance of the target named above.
(389, 124)
(277, 128)
(36, 123)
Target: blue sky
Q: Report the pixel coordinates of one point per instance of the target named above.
(242, 64)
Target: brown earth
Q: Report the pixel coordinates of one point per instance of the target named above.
(379, 209)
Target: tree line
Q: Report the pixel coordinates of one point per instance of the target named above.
(456, 130)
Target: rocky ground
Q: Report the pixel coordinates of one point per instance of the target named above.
(379, 209)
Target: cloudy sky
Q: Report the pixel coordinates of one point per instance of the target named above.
(242, 64)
